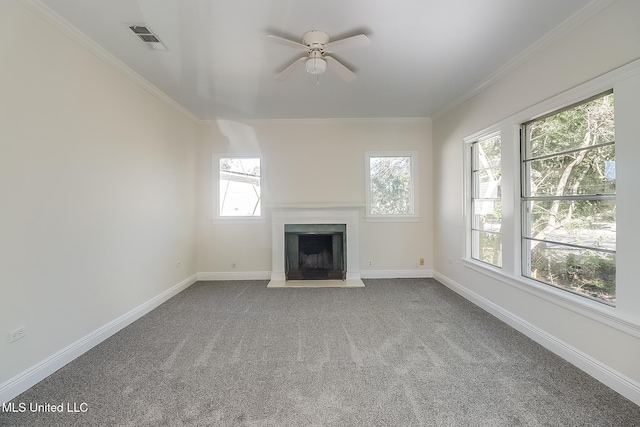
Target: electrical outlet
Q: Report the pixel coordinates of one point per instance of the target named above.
(450, 260)
(233, 264)
(16, 334)
(178, 264)
(421, 261)
(370, 263)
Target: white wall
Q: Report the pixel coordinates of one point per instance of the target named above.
(97, 191)
(314, 162)
(601, 339)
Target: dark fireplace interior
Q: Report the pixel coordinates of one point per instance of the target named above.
(315, 252)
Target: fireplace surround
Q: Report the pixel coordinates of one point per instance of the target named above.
(324, 217)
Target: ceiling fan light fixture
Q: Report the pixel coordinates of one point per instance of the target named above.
(316, 44)
(316, 65)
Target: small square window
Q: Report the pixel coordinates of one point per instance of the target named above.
(238, 187)
(391, 181)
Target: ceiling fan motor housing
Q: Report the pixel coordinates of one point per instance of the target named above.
(315, 40)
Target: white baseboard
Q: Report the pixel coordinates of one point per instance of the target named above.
(23, 381)
(235, 275)
(603, 373)
(396, 274)
(363, 274)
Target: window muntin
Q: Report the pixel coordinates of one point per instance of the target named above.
(239, 187)
(486, 200)
(548, 173)
(391, 184)
(568, 199)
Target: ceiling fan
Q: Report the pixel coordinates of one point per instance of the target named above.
(316, 44)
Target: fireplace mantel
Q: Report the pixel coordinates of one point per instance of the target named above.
(315, 214)
(322, 206)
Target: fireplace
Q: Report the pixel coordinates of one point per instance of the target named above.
(315, 226)
(315, 251)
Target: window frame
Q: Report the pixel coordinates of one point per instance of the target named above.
(525, 196)
(414, 192)
(471, 168)
(217, 217)
(622, 78)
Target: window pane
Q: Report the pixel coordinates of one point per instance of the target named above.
(487, 152)
(486, 207)
(239, 187)
(586, 272)
(390, 181)
(487, 183)
(584, 125)
(487, 215)
(585, 172)
(571, 243)
(579, 222)
(487, 247)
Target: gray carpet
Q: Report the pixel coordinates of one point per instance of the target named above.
(395, 353)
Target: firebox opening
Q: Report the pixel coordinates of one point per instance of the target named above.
(315, 252)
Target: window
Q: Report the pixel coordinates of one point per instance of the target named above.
(391, 185)
(238, 186)
(486, 201)
(569, 199)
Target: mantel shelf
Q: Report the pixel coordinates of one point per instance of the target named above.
(317, 206)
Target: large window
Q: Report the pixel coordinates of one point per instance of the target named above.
(486, 200)
(569, 199)
(238, 186)
(391, 185)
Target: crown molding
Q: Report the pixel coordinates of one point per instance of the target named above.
(547, 40)
(49, 16)
(324, 121)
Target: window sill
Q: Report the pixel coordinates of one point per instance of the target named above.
(239, 220)
(594, 310)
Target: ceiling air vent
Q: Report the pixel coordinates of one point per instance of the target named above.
(148, 38)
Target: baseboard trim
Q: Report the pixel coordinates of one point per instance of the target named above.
(396, 274)
(617, 381)
(30, 377)
(235, 275)
(362, 274)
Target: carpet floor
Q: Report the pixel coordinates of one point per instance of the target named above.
(401, 352)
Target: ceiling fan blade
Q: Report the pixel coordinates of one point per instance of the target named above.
(286, 42)
(337, 67)
(349, 43)
(285, 73)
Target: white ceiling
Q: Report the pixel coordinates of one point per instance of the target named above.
(424, 54)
